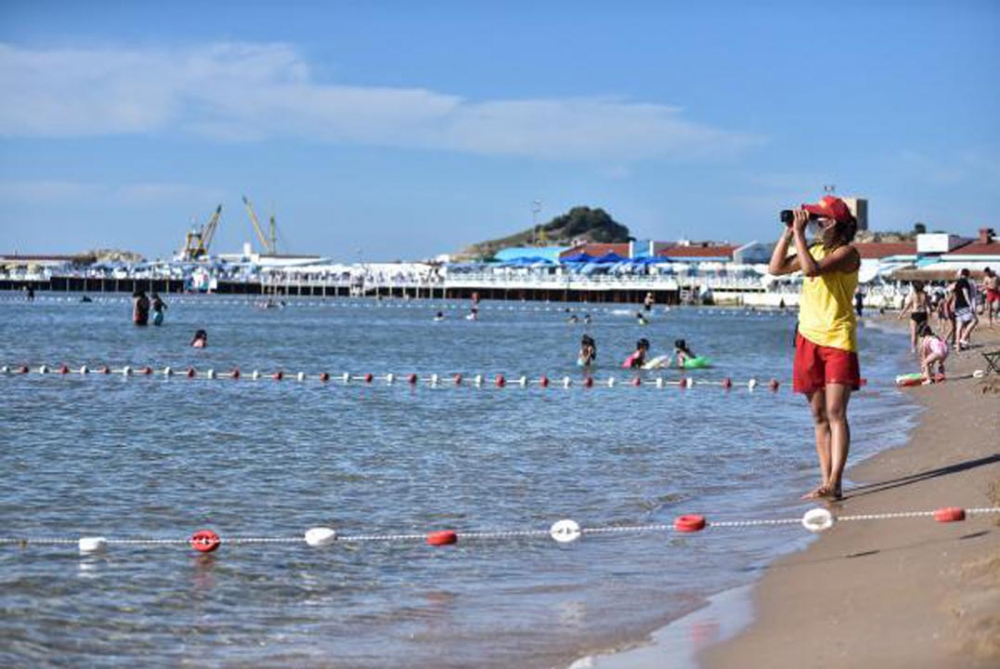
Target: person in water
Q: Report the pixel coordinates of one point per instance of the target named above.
(933, 351)
(140, 308)
(648, 302)
(588, 351)
(826, 366)
(200, 339)
(573, 319)
(682, 353)
(640, 318)
(159, 306)
(439, 316)
(638, 357)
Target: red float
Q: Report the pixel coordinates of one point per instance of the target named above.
(236, 373)
(544, 382)
(949, 514)
(368, 378)
(324, 377)
(205, 541)
(442, 538)
(104, 370)
(727, 383)
(190, 373)
(64, 370)
(278, 375)
(637, 381)
(146, 371)
(500, 381)
(689, 523)
(458, 379)
(773, 385)
(23, 369)
(588, 382)
(412, 379)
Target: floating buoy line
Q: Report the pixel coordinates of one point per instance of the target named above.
(563, 531)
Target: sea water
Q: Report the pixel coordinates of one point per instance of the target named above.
(162, 457)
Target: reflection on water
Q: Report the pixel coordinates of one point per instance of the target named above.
(155, 457)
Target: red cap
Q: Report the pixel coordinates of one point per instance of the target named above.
(830, 207)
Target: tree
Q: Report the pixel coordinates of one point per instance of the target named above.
(580, 221)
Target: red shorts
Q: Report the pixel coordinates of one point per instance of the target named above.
(992, 296)
(816, 366)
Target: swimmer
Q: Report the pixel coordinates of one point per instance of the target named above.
(588, 352)
(140, 308)
(933, 351)
(638, 357)
(573, 319)
(200, 339)
(439, 316)
(641, 319)
(648, 302)
(586, 319)
(85, 299)
(682, 352)
(473, 314)
(158, 308)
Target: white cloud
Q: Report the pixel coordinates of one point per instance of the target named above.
(241, 92)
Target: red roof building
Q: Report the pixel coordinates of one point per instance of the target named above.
(596, 250)
(879, 250)
(694, 253)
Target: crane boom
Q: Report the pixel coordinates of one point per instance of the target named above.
(268, 246)
(208, 232)
(197, 240)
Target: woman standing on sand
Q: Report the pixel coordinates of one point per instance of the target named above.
(826, 359)
(918, 305)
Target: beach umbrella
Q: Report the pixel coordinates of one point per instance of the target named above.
(609, 257)
(578, 257)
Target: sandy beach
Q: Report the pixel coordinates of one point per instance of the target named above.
(899, 593)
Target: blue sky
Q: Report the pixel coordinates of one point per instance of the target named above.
(390, 130)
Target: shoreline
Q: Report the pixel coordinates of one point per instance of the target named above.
(930, 590)
(858, 577)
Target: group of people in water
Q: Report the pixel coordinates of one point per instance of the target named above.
(638, 359)
(144, 306)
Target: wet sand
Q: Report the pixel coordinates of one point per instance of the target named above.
(908, 592)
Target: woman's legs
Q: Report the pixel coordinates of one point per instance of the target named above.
(913, 336)
(821, 425)
(837, 397)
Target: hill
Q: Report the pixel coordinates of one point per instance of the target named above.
(577, 226)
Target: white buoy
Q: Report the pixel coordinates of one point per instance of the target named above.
(659, 382)
(389, 378)
(477, 380)
(611, 382)
(126, 371)
(818, 520)
(689, 382)
(523, 382)
(210, 373)
(751, 384)
(566, 382)
(93, 545)
(168, 371)
(301, 376)
(565, 531)
(5, 370)
(434, 380)
(43, 370)
(320, 536)
(255, 375)
(346, 378)
(84, 370)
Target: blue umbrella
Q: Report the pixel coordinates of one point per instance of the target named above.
(577, 257)
(609, 257)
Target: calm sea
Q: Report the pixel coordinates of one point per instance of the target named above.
(156, 457)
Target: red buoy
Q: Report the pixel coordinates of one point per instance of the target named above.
(278, 375)
(727, 383)
(412, 379)
(773, 385)
(949, 514)
(146, 371)
(191, 373)
(236, 373)
(368, 377)
(637, 381)
(324, 377)
(458, 379)
(689, 523)
(500, 381)
(442, 538)
(64, 370)
(205, 541)
(23, 369)
(863, 382)
(544, 382)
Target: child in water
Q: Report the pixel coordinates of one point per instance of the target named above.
(638, 357)
(158, 308)
(640, 318)
(933, 350)
(439, 316)
(200, 339)
(588, 352)
(682, 353)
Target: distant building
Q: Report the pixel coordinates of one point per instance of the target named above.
(700, 252)
(595, 249)
(858, 207)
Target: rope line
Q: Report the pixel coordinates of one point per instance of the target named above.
(817, 519)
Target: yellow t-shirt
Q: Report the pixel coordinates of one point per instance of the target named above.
(826, 313)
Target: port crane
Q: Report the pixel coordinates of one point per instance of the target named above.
(198, 240)
(269, 242)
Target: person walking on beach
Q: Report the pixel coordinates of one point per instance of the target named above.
(965, 309)
(991, 288)
(826, 366)
(918, 305)
(159, 306)
(140, 308)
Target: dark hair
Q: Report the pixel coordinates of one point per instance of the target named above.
(924, 330)
(642, 343)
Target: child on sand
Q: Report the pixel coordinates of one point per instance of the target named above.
(933, 351)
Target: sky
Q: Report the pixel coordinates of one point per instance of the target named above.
(403, 130)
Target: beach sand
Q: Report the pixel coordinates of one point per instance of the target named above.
(897, 593)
